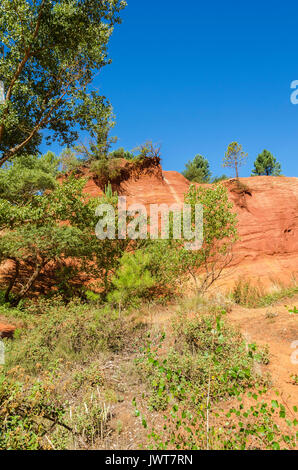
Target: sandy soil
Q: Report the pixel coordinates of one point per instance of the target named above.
(276, 327)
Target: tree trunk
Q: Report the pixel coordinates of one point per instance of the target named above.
(29, 284)
(12, 279)
(236, 168)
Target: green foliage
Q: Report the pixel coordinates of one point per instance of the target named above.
(171, 262)
(256, 426)
(44, 228)
(89, 375)
(28, 176)
(234, 157)
(215, 365)
(148, 150)
(186, 369)
(266, 164)
(90, 420)
(98, 148)
(27, 413)
(294, 378)
(70, 332)
(34, 416)
(165, 267)
(52, 51)
(108, 170)
(121, 153)
(70, 161)
(133, 279)
(218, 179)
(54, 393)
(294, 311)
(198, 170)
(220, 233)
(92, 296)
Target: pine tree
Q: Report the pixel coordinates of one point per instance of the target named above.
(234, 157)
(198, 170)
(266, 164)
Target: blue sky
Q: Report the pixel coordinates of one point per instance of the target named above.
(195, 75)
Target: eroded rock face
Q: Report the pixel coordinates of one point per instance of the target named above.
(268, 216)
(267, 209)
(268, 228)
(6, 330)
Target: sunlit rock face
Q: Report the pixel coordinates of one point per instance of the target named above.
(267, 209)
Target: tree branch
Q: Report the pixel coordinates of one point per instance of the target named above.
(19, 71)
(12, 279)
(38, 126)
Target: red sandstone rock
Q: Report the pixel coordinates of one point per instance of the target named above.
(267, 214)
(6, 331)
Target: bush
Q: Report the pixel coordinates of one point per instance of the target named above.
(249, 295)
(211, 363)
(107, 170)
(27, 412)
(190, 365)
(132, 280)
(69, 332)
(205, 265)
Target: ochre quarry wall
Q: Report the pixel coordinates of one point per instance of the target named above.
(267, 209)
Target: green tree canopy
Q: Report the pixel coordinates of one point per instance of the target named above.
(44, 223)
(52, 50)
(266, 164)
(29, 175)
(121, 153)
(220, 233)
(234, 157)
(198, 170)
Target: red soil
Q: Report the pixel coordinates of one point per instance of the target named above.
(6, 331)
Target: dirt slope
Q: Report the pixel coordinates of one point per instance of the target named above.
(275, 327)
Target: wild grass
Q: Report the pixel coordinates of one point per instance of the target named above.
(254, 296)
(208, 390)
(68, 333)
(187, 356)
(54, 389)
(70, 365)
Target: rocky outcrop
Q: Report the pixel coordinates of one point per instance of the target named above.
(267, 209)
(6, 330)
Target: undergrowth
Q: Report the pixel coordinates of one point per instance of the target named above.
(57, 390)
(188, 360)
(209, 392)
(253, 296)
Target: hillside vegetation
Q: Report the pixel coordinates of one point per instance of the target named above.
(111, 338)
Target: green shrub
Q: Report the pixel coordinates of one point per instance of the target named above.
(27, 412)
(132, 280)
(107, 170)
(190, 365)
(91, 376)
(69, 332)
(191, 385)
